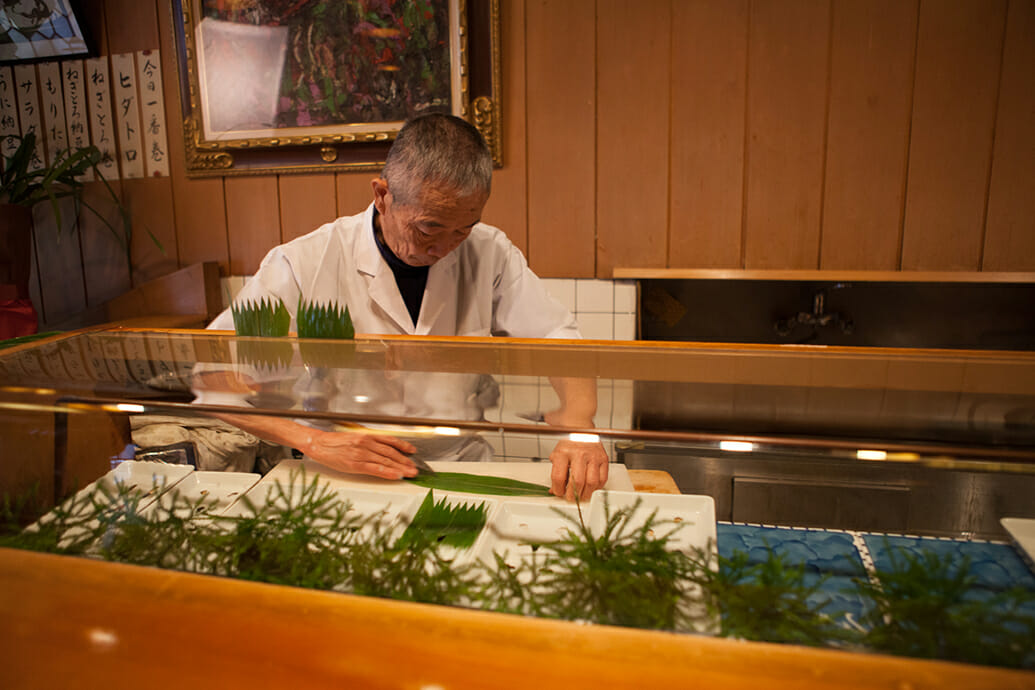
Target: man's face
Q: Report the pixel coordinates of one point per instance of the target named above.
(422, 232)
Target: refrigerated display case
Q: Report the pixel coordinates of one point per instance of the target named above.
(834, 460)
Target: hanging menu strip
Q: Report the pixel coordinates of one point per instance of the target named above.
(75, 108)
(53, 110)
(127, 114)
(29, 109)
(152, 108)
(102, 130)
(8, 112)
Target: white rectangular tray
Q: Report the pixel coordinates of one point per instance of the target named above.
(209, 493)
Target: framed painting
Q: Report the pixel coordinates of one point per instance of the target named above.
(320, 85)
(33, 30)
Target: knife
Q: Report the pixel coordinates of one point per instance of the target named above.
(422, 467)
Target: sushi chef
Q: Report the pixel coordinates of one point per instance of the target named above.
(419, 261)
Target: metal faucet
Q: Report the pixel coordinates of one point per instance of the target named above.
(818, 318)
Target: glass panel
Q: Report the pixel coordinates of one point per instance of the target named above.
(839, 458)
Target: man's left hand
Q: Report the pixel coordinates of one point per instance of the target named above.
(579, 469)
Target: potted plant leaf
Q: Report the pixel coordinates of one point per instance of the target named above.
(25, 181)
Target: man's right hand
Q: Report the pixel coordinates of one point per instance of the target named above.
(361, 452)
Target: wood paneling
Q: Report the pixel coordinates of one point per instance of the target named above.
(871, 84)
(199, 205)
(787, 94)
(353, 192)
(1010, 229)
(306, 203)
(150, 203)
(757, 134)
(560, 115)
(709, 63)
(507, 207)
(633, 73)
(959, 51)
(252, 220)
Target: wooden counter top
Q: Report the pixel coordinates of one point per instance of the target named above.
(72, 622)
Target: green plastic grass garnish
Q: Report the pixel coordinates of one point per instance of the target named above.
(262, 318)
(456, 525)
(324, 321)
(479, 484)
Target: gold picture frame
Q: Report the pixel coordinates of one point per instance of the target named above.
(263, 92)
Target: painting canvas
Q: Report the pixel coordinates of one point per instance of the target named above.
(272, 68)
(39, 30)
(310, 85)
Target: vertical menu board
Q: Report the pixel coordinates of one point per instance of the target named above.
(52, 104)
(8, 112)
(27, 93)
(102, 129)
(75, 108)
(127, 114)
(152, 110)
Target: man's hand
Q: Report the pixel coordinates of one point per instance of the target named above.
(362, 453)
(579, 469)
(359, 452)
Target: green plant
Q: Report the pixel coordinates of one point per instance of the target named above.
(26, 181)
(929, 606)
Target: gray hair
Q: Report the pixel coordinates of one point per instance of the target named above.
(441, 150)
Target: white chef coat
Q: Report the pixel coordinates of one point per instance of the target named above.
(483, 287)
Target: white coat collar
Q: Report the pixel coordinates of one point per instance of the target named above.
(441, 289)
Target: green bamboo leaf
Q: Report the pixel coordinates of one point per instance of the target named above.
(479, 484)
(442, 523)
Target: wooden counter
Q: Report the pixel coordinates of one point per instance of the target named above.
(71, 622)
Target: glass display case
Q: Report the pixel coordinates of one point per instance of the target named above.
(837, 467)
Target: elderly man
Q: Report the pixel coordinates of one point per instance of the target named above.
(418, 261)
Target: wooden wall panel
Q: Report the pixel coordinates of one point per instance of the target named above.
(59, 265)
(633, 120)
(1010, 230)
(507, 207)
(787, 97)
(306, 203)
(105, 262)
(709, 73)
(199, 205)
(871, 83)
(959, 52)
(252, 220)
(560, 52)
(353, 192)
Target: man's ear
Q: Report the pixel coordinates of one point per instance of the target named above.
(380, 187)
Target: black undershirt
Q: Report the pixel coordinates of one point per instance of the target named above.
(411, 280)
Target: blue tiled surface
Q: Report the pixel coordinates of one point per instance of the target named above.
(824, 553)
(833, 554)
(995, 566)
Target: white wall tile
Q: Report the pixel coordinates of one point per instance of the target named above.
(518, 398)
(625, 327)
(625, 296)
(597, 296)
(596, 326)
(495, 439)
(521, 446)
(563, 290)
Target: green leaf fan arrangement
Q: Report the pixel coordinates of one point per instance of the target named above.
(456, 525)
(324, 322)
(262, 319)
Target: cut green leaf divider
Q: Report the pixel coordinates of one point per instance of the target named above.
(479, 484)
(261, 318)
(324, 321)
(456, 525)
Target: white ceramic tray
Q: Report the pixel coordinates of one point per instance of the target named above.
(208, 493)
(519, 528)
(1022, 531)
(688, 520)
(148, 480)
